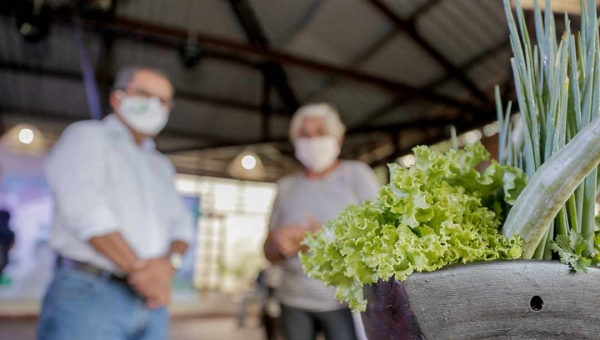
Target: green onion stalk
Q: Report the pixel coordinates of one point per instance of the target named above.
(557, 139)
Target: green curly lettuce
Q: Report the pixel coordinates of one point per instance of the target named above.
(441, 211)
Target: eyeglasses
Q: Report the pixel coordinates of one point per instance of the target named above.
(132, 91)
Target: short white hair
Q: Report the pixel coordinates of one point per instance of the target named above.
(126, 74)
(325, 111)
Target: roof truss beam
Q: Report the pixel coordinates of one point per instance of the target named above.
(233, 49)
(179, 93)
(410, 28)
(401, 100)
(254, 31)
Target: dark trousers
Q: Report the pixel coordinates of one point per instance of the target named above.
(271, 327)
(299, 324)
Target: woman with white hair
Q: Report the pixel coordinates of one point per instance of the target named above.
(305, 201)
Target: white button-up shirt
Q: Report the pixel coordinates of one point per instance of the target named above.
(104, 182)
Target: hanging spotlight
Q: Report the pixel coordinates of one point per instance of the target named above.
(190, 55)
(33, 20)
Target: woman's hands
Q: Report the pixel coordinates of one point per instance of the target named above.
(287, 240)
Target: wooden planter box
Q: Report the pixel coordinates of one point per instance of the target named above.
(488, 300)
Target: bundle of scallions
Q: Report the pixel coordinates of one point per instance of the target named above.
(558, 91)
(441, 211)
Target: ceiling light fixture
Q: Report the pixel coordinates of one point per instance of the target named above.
(26, 136)
(247, 165)
(248, 162)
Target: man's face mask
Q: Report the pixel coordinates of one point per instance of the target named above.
(317, 153)
(144, 115)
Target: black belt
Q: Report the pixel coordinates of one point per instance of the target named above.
(62, 262)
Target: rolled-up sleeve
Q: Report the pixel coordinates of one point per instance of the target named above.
(76, 173)
(182, 227)
(181, 217)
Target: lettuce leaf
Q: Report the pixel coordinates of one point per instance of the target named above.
(439, 212)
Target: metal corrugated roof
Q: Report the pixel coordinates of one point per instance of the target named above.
(354, 101)
(281, 20)
(211, 76)
(306, 84)
(492, 71)
(35, 94)
(461, 29)
(206, 16)
(339, 36)
(58, 51)
(401, 59)
(335, 34)
(453, 89)
(405, 8)
(404, 113)
(228, 123)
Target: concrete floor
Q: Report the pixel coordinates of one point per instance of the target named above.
(181, 329)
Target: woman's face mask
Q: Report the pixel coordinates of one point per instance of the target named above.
(145, 115)
(317, 153)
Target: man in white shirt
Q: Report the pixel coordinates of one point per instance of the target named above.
(120, 228)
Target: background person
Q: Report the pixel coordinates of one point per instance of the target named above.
(120, 227)
(305, 201)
